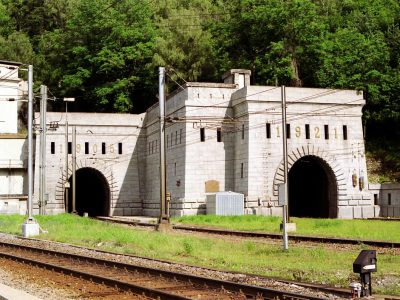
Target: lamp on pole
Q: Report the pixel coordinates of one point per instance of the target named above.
(30, 226)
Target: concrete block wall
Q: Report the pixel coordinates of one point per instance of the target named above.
(120, 170)
(304, 106)
(245, 161)
(387, 198)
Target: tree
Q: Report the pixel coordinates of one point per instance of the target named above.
(276, 39)
(103, 57)
(184, 41)
(17, 47)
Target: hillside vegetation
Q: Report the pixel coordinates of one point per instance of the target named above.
(105, 53)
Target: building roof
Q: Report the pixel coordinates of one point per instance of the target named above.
(11, 63)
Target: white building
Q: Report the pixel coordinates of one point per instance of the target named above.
(13, 146)
(219, 137)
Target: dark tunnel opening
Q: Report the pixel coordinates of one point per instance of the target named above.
(92, 193)
(312, 189)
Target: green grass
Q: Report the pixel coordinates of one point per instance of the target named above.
(357, 229)
(312, 264)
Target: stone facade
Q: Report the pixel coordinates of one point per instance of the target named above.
(219, 137)
(248, 157)
(387, 198)
(106, 143)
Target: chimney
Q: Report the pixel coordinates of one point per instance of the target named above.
(240, 77)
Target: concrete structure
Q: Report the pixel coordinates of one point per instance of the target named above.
(219, 137)
(13, 175)
(387, 198)
(13, 153)
(10, 293)
(108, 168)
(12, 91)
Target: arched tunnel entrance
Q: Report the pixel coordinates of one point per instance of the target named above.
(92, 193)
(312, 189)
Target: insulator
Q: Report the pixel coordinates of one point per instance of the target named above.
(354, 179)
(361, 183)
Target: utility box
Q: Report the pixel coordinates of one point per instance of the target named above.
(225, 204)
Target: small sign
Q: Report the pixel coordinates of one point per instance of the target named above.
(66, 185)
(69, 99)
(281, 194)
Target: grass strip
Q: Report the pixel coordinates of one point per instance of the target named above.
(357, 229)
(306, 263)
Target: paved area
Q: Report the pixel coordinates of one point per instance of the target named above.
(140, 219)
(9, 293)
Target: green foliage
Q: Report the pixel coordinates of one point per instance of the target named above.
(184, 42)
(383, 160)
(105, 53)
(16, 47)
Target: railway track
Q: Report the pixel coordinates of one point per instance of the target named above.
(139, 280)
(251, 234)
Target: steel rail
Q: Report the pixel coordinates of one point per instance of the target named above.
(152, 293)
(248, 290)
(253, 234)
(293, 237)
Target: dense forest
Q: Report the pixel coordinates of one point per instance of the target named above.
(105, 53)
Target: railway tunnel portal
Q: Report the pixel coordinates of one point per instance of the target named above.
(312, 189)
(92, 193)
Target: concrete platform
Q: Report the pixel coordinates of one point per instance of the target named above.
(9, 293)
(139, 219)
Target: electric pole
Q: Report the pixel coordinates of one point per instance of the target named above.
(42, 168)
(74, 169)
(285, 170)
(30, 226)
(164, 216)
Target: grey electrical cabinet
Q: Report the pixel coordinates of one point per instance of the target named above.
(225, 204)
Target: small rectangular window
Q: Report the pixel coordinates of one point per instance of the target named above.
(241, 170)
(103, 148)
(176, 137)
(307, 131)
(219, 135)
(172, 138)
(268, 129)
(375, 199)
(119, 148)
(326, 131)
(242, 131)
(86, 148)
(389, 199)
(152, 147)
(69, 147)
(288, 131)
(180, 135)
(167, 140)
(202, 134)
(53, 147)
(345, 132)
(149, 148)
